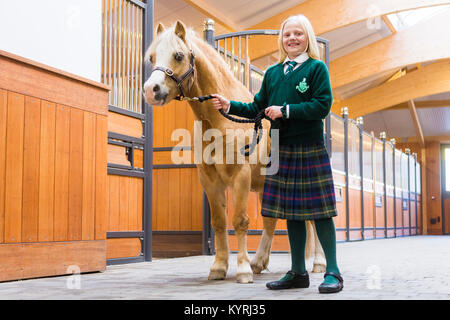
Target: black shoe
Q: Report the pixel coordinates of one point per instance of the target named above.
(297, 281)
(332, 287)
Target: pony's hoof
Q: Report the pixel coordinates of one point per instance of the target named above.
(244, 278)
(319, 268)
(217, 275)
(259, 266)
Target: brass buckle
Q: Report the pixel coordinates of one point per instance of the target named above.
(168, 72)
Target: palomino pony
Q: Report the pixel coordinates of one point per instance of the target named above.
(183, 63)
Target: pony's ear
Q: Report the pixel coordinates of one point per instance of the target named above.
(160, 28)
(180, 30)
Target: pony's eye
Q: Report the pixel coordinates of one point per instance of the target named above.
(179, 56)
(150, 59)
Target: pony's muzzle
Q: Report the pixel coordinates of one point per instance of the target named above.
(155, 94)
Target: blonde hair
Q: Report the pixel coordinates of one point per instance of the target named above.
(311, 48)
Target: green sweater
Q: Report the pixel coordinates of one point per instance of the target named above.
(306, 90)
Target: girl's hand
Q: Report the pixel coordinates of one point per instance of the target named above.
(273, 112)
(220, 102)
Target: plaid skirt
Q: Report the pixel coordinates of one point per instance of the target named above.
(303, 188)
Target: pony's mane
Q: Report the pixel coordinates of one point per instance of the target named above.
(216, 64)
(208, 51)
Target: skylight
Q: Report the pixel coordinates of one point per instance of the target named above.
(409, 18)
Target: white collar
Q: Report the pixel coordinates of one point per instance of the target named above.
(299, 59)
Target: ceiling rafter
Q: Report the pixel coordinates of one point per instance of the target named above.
(431, 79)
(213, 13)
(416, 121)
(423, 104)
(413, 45)
(389, 24)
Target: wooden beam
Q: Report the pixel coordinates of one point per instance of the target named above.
(211, 12)
(328, 15)
(389, 24)
(416, 121)
(423, 104)
(429, 80)
(413, 45)
(400, 73)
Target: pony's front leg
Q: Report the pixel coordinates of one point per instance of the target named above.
(217, 203)
(241, 192)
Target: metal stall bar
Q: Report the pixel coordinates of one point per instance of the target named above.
(239, 59)
(395, 188)
(232, 55)
(360, 123)
(408, 153)
(418, 190)
(328, 118)
(110, 77)
(347, 182)
(104, 41)
(415, 191)
(374, 187)
(383, 139)
(148, 133)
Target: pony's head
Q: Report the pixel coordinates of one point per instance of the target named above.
(172, 62)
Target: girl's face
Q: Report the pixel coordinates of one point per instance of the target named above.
(294, 39)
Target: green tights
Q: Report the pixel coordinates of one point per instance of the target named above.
(297, 239)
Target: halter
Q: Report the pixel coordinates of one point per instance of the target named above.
(178, 80)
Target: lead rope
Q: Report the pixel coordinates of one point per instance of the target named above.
(257, 130)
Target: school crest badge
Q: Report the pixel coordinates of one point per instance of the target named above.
(302, 86)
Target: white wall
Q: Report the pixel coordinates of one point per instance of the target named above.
(65, 34)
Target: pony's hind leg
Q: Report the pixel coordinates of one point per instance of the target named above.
(319, 262)
(260, 261)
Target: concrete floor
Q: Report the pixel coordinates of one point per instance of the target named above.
(402, 269)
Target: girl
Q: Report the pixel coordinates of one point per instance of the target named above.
(297, 93)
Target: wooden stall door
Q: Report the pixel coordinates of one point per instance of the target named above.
(369, 209)
(413, 214)
(406, 216)
(125, 186)
(177, 193)
(340, 221)
(390, 216)
(419, 214)
(399, 214)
